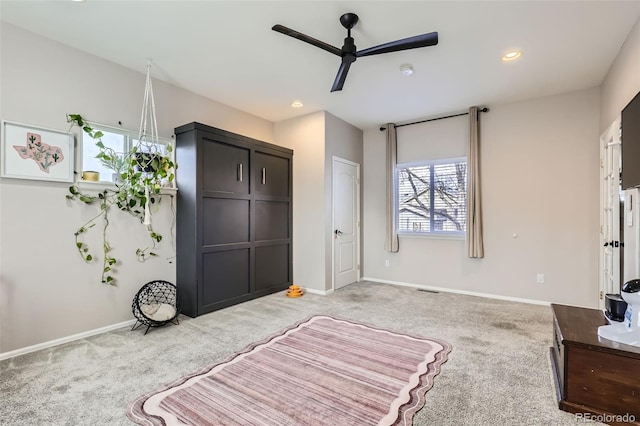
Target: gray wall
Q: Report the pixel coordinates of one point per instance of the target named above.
(46, 290)
(305, 135)
(622, 81)
(345, 141)
(540, 180)
(315, 138)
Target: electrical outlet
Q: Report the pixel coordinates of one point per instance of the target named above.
(387, 263)
(540, 278)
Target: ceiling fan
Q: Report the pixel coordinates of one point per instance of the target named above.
(349, 54)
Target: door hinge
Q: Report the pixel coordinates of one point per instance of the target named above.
(358, 267)
(601, 295)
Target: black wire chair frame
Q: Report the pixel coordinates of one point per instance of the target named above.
(156, 294)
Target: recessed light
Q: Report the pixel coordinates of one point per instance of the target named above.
(511, 55)
(297, 104)
(406, 69)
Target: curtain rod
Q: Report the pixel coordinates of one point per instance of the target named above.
(485, 109)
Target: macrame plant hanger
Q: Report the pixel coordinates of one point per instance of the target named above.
(147, 141)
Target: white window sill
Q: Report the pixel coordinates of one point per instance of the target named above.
(432, 236)
(101, 185)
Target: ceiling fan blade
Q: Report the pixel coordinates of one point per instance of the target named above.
(342, 74)
(307, 39)
(423, 40)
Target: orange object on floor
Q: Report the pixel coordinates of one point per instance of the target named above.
(294, 291)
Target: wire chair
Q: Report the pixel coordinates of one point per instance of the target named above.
(157, 303)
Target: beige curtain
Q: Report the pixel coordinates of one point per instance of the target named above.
(475, 247)
(391, 240)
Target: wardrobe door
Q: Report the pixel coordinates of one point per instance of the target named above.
(272, 220)
(225, 279)
(271, 175)
(272, 267)
(225, 167)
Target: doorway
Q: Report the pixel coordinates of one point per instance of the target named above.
(346, 222)
(610, 238)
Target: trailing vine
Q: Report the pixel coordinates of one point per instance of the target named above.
(143, 176)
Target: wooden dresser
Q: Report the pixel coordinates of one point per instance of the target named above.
(593, 375)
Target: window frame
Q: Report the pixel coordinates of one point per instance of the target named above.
(130, 136)
(456, 235)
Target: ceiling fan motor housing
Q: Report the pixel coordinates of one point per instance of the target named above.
(349, 20)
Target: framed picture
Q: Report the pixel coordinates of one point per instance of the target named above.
(30, 152)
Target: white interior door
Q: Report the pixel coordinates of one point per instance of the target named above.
(346, 211)
(610, 212)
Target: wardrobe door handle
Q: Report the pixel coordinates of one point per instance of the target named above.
(240, 172)
(264, 176)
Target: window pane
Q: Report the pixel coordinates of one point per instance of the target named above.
(431, 197)
(449, 212)
(414, 198)
(115, 141)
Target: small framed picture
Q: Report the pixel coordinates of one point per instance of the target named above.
(30, 152)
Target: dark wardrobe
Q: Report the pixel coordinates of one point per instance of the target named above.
(234, 211)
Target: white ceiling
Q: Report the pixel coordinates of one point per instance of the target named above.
(226, 50)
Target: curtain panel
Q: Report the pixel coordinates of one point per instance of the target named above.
(391, 241)
(475, 246)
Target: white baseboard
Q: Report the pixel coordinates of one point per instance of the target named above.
(67, 339)
(452, 290)
(320, 292)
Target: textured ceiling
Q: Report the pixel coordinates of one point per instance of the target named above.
(226, 50)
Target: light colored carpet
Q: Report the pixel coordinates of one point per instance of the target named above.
(498, 372)
(322, 371)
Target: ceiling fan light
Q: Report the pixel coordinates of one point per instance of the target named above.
(406, 69)
(511, 55)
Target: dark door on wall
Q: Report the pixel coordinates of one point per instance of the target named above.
(225, 168)
(271, 175)
(225, 224)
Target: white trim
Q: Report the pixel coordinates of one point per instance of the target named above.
(67, 339)
(434, 235)
(465, 292)
(320, 292)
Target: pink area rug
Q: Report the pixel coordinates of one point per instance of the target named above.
(321, 371)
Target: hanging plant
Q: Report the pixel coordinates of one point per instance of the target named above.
(142, 177)
(143, 172)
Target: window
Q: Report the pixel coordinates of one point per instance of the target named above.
(431, 197)
(120, 141)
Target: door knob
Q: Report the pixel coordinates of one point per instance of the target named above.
(337, 232)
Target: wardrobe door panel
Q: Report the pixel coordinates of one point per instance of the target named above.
(225, 168)
(224, 221)
(272, 266)
(271, 175)
(225, 275)
(272, 220)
